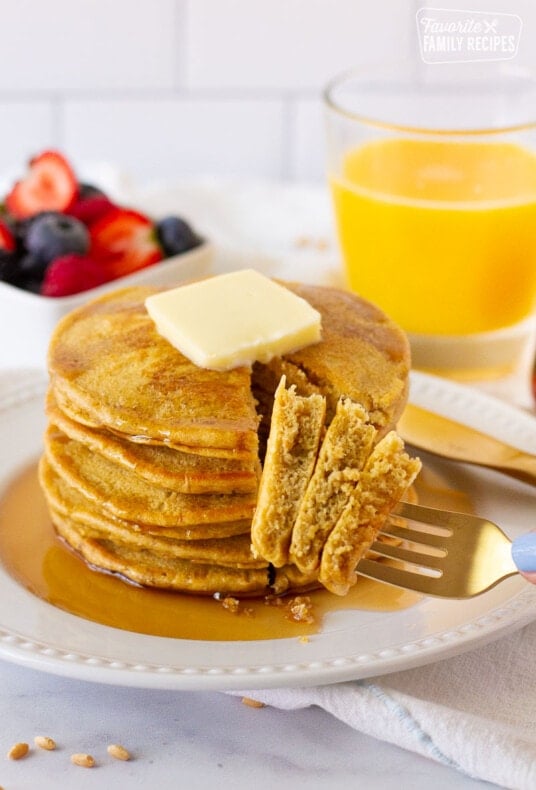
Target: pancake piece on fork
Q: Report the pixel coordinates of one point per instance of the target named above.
(297, 425)
(387, 475)
(347, 444)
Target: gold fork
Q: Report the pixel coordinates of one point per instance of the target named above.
(452, 555)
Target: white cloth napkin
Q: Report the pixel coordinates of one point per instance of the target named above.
(475, 712)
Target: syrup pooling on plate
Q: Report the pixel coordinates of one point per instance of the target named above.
(32, 554)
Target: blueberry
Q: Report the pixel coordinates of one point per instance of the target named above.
(8, 266)
(31, 265)
(53, 235)
(11, 272)
(176, 236)
(22, 226)
(89, 191)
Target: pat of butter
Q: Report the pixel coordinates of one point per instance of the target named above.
(234, 319)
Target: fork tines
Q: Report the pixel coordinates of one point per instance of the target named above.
(452, 555)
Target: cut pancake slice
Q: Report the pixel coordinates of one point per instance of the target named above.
(265, 379)
(296, 430)
(347, 445)
(69, 501)
(123, 493)
(160, 465)
(387, 474)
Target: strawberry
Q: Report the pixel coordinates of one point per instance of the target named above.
(125, 240)
(49, 185)
(89, 210)
(72, 274)
(7, 240)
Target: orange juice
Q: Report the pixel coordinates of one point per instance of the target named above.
(440, 234)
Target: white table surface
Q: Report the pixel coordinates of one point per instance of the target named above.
(192, 740)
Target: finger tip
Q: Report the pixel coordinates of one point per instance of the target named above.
(524, 554)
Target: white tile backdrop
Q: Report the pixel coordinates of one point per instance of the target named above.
(167, 89)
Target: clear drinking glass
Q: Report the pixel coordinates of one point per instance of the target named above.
(433, 181)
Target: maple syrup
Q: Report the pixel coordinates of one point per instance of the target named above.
(33, 554)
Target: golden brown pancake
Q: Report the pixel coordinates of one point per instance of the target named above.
(234, 552)
(69, 501)
(163, 466)
(363, 355)
(155, 570)
(297, 426)
(77, 413)
(109, 361)
(347, 445)
(289, 579)
(387, 475)
(121, 492)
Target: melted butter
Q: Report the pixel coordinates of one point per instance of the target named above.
(43, 564)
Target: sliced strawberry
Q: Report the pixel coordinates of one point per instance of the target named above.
(125, 240)
(50, 185)
(72, 274)
(7, 240)
(89, 210)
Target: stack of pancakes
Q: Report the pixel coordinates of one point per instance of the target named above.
(152, 465)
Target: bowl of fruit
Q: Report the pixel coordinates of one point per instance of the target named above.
(63, 241)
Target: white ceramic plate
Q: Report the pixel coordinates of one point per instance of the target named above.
(352, 644)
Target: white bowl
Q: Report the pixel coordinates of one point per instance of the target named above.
(27, 319)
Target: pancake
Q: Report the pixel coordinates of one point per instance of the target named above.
(160, 465)
(69, 501)
(79, 414)
(387, 475)
(108, 360)
(154, 570)
(232, 552)
(363, 355)
(296, 428)
(289, 579)
(346, 446)
(111, 368)
(123, 493)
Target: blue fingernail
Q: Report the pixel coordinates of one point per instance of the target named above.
(524, 552)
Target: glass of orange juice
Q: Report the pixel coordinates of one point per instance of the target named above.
(434, 192)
